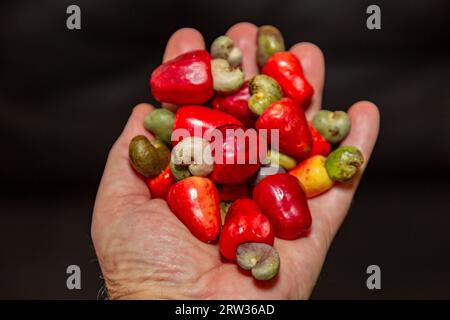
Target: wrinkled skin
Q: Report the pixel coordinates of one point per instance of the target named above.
(145, 252)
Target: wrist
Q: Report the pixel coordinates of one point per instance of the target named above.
(145, 289)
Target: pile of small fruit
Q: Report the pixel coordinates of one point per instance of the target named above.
(209, 177)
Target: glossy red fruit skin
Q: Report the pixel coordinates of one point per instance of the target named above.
(228, 170)
(286, 69)
(199, 119)
(231, 192)
(186, 79)
(195, 201)
(286, 116)
(320, 146)
(236, 104)
(244, 223)
(283, 201)
(159, 186)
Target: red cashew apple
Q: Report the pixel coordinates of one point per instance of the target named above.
(236, 104)
(196, 120)
(231, 192)
(285, 68)
(227, 157)
(290, 121)
(159, 186)
(244, 223)
(187, 79)
(195, 201)
(281, 198)
(320, 146)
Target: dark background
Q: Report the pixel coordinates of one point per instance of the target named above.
(65, 96)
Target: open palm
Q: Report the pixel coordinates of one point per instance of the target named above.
(146, 252)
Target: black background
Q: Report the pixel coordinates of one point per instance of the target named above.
(65, 96)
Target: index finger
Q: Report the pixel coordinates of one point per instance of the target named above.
(182, 41)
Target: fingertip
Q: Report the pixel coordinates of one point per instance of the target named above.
(304, 48)
(141, 109)
(366, 112)
(366, 108)
(182, 41)
(243, 35)
(310, 55)
(242, 27)
(365, 123)
(135, 124)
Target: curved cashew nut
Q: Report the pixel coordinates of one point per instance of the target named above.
(263, 260)
(194, 153)
(226, 79)
(343, 163)
(265, 90)
(223, 48)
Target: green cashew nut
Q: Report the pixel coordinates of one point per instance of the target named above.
(179, 172)
(269, 41)
(333, 126)
(277, 158)
(265, 90)
(263, 260)
(223, 48)
(144, 157)
(226, 79)
(343, 163)
(195, 154)
(160, 123)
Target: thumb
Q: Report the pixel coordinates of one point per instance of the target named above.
(119, 179)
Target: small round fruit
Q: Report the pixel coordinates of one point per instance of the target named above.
(333, 126)
(269, 41)
(160, 123)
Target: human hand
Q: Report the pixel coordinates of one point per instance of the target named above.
(145, 252)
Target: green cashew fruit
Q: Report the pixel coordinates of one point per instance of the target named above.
(269, 41)
(265, 90)
(333, 126)
(343, 163)
(160, 123)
